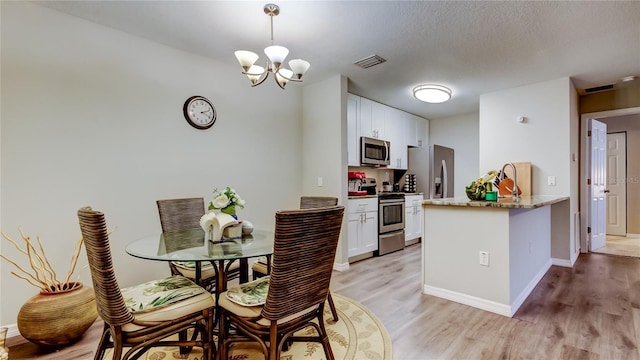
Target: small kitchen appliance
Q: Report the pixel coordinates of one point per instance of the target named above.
(355, 183)
(369, 185)
(374, 152)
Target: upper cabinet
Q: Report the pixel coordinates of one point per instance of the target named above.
(417, 130)
(373, 119)
(395, 130)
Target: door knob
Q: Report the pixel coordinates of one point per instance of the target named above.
(606, 191)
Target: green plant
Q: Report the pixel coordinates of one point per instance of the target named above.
(479, 188)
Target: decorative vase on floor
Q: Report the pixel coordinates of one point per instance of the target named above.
(4, 351)
(58, 318)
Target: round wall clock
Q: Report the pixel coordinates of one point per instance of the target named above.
(199, 112)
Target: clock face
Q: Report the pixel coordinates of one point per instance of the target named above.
(199, 112)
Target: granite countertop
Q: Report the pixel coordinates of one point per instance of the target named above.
(526, 202)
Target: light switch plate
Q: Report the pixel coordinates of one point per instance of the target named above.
(551, 180)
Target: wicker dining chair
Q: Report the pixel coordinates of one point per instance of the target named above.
(137, 321)
(304, 249)
(184, 214)
(260, 268)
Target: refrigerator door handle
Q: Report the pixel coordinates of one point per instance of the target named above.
(444, 178)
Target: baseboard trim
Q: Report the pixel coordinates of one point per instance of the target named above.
(524, 294)
(12, 330)
(341, 267)
(483, 304)
(562, 262)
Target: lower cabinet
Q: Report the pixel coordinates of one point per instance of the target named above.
(413, 218)
(363, 226)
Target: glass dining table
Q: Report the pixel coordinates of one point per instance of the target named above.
(193, 245)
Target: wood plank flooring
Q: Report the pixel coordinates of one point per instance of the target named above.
(591, 311)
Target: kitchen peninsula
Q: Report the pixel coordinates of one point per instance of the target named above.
(489, 255)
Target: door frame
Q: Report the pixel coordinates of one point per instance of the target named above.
(585, 216)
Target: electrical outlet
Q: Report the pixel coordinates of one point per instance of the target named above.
(551, 180)
(320, 182)
(484, 258)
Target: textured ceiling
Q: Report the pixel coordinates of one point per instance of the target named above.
(472, 47)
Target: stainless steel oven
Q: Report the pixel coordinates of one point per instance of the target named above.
(391, 222)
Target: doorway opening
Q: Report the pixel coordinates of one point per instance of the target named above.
(622, 237)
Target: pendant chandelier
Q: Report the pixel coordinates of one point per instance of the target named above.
(276, 55)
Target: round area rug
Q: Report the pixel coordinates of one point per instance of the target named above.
(357, 335)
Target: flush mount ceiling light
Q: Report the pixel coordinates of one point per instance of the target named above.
(432, 93)
(276, 55)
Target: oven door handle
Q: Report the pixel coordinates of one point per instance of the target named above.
(391, 201)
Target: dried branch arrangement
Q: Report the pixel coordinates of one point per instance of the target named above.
(42, 274)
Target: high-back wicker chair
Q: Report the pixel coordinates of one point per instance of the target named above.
(260, 267)
(192, 307)
(184, 214)
(310, 202)
(303, 254)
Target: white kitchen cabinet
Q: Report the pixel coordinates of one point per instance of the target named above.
(353, 125)
(363, 226)
(396, 129)
(372, 119)
(417, 130)
(413, 218)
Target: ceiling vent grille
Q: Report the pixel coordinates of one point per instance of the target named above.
(370, 61)
(599, 88)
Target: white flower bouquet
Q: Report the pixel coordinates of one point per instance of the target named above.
(226, 201)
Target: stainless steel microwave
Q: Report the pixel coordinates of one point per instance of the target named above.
(374, 152)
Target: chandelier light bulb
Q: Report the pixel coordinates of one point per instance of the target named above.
(254, 73)
(283, 76)
(246, 58)
(432, 93)
(276, 54)
(299, 67)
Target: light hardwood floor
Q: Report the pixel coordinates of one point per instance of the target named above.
(590, 311)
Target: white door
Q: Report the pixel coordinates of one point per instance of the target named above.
(616, 184)
(598, 176)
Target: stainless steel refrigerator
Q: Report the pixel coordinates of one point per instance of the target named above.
(433, 169)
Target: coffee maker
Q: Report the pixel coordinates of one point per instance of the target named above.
(356, 179)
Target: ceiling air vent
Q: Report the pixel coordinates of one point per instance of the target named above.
(370, 61)
(599, 88)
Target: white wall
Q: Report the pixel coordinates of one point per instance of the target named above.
(93, 116)
(324, 139)
(461, 134)
(547, 138)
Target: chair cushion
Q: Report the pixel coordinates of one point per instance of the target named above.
(254, 311)
(259, 267)
(159, 293)
(188, 269)
(187, 298)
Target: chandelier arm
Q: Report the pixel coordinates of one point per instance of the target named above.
(265, 75)
(288, 78)
(278, 82)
